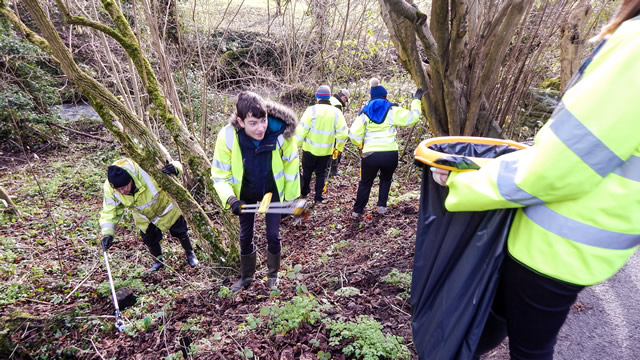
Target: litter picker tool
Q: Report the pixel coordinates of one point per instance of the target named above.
(299, 208)
(119, 324)
(333, 157)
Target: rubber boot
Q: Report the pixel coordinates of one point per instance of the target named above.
(156, 251)
(247, 270)
(192, 260)
(273, 266)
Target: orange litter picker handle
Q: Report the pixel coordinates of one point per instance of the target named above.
(441, 160)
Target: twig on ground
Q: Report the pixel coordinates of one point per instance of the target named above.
(80, 133)
(82, 282)
(96, 349)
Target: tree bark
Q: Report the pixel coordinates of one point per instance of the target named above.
(149, 156)
(572, 41)
(467, 45)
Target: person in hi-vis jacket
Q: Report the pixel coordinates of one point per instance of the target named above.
(577, 191)
(129, 186)
(374, 130)
(256, 153)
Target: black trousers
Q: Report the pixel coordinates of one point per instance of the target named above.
(311, 164)
(384, 162)
(530, 308)
(153, 235)
(272, 222)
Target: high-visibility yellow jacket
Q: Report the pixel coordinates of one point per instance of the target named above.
(227, 168)
(149, 204)
(321, 129)
(335, 102)
(382, 136)
(578, 188)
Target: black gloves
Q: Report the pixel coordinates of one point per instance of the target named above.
(236, 205)
(107, 241)
(169, 169)
(418, 94)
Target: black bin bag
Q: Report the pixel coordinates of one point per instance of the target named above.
(458, 255)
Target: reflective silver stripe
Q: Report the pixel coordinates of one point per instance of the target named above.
(278, 175)
(583, 142)
(117, 195)
(356, 138)
(107, 226)
(380, 140)
(579, 232)
(340, 141)
(508, 188)
(155, 198)
(220, 165)
(111, 201)
(147, 180)
(314, 113)
(166, 210)
(630, 169)
(378, 134)
(142, 216)
(229, 179)
(290, 177)
(305, 126)
(341, 129)
(281, 194)
(129, 166)
(299, 137)
(290, 157)
(229, 136)
(322, 132)
(318, 144)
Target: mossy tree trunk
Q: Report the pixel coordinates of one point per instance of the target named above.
(457, 54)
(150, 155)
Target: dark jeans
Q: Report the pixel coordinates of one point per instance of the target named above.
(272, 222)
(153, 235)
(385, 162)
(311, 164)
(532, 307)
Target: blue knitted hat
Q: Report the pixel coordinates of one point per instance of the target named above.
(377, 91)
(323, 92)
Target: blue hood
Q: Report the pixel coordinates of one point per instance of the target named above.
(377, 109)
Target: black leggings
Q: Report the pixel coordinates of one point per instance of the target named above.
(385, 162)
(530, 308)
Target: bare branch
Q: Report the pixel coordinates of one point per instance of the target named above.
(83, 21)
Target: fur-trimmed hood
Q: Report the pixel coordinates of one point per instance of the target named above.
(278, 111)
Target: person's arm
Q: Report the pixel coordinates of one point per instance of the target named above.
(342, 132)
(303, 127)
(221, 167)
(291, 167)
(356, 132)
(111, 212)
(588, 137)
(404, 117)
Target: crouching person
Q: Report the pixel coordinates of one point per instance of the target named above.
(128, 186)
(256, 154)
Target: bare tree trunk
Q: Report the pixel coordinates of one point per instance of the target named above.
(572, 41)
(150, 156)
(12, 207)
